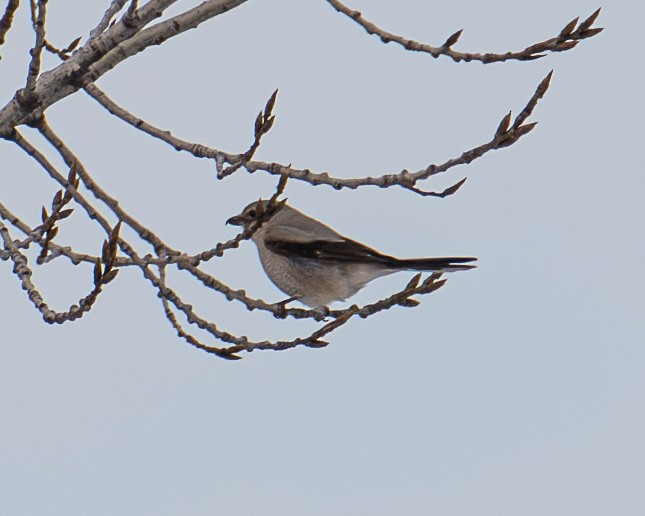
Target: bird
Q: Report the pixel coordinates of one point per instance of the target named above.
(315, 265)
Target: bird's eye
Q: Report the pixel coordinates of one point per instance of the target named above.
(252, 213)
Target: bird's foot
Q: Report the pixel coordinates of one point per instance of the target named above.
(281, 307)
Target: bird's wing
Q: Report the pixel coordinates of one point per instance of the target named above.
(327, 245)
(339, 249)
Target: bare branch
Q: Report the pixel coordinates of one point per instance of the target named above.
(36, 52)
(22, 270)
(445, 193)
(63, 53)
(197, 150)
(7, 18)
(68, 77)
(263, 124)
(30, 150)
(157, 34)
(74, 163)
(24, 273)
(401, 298)
(54, 251)
(540, 91)
(130, 16)
(181, 332)
(172, 297)
(566, 40)
(114, 8)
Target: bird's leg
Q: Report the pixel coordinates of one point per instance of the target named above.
(281, 312)
(321, 313)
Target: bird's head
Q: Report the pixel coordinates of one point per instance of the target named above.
(260, 210)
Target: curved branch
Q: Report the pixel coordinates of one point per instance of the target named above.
(567, 39)
(24, 273)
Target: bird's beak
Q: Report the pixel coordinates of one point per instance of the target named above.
(235, 221)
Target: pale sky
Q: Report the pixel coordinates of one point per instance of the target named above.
(517, 389)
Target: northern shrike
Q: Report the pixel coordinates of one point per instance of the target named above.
(312, 263)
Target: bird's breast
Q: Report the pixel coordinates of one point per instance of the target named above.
(316, 283)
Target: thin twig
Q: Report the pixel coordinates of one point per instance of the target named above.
(38, 17)
(197, 150)
(180, 331)
(402, 298)
(7, 18)
(130, 16)
(567, 39)
(114, 8)
(74, 163)
(22, 270)
(24, 273)
(63, 53)
(263, 124)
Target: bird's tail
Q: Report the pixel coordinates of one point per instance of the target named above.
(449, 264)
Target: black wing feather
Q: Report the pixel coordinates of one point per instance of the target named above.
(336, 250)
(351, 251)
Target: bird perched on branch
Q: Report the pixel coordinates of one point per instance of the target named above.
(314, 264)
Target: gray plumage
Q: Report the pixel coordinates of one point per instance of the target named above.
(311, 262)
